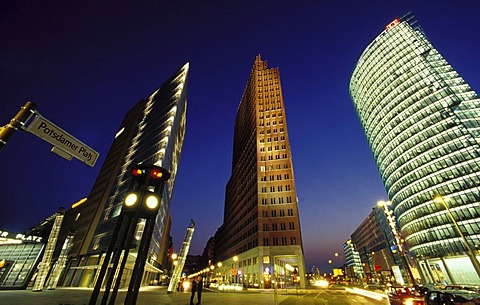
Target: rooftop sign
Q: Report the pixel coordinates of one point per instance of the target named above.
(392, 24)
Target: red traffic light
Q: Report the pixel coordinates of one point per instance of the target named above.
(156, 174)
(137, 172)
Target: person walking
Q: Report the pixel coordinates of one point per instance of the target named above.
(199, 289)
(194, 289)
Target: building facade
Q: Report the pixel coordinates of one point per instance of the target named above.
(422, 122)
(353, 263)
(260, 240)
(372, 245)
(152, 132)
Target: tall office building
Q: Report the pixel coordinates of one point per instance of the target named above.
(260, 238)
(152, 132)
(422, 122)
(353, 263)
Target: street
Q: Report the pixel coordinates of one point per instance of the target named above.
(158, 295)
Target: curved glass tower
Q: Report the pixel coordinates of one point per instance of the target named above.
(422, 122)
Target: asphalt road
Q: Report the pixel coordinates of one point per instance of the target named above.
(159, 296)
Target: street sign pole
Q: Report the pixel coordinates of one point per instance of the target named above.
(7, 131)
(64, 144)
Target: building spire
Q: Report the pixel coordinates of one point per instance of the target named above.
(259, 63)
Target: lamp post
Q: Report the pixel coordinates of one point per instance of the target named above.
(219, 265)
(476, 265)
(398, 241)
(235, 260)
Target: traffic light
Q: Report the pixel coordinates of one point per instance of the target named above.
(143, 197)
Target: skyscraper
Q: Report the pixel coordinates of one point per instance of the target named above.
(152, 132)
(422, 122)
(260, 238)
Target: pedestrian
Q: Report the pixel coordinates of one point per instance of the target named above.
(194, 289)
(199, 289)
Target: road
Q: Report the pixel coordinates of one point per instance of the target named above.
(159, 296)
(330, 297)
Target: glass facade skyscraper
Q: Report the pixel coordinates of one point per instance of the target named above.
(422, 122)
(152, 132)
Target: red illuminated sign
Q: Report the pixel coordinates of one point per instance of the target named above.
(392, 24)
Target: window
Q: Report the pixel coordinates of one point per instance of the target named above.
(293, 240)
(274, 227)
(283, 227)
(266, 258)
(291, 226)
(282, 213)
(286, 176)
(272, 189)
(284, 241)
(265, 243)
(275, 241)
(280, 188)
(289, 199)
(287, 187)
(290, 212)
(274, 213)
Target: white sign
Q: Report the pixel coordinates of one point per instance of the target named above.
(62, 140)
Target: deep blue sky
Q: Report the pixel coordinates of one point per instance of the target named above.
(86, 64)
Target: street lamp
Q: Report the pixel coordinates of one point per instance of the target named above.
(398, 240)
(235, 260)
(476, 265)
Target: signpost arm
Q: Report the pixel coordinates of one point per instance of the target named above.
(7, 131)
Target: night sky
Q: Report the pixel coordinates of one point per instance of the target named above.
(86, 64)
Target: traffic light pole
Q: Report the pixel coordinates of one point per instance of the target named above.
(7, 131)
(133, 288)
(125, 248)
(106, 261)
(142, 201)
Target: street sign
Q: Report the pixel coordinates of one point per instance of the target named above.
(62, 140)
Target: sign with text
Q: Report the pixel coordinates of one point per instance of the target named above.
(62, 140)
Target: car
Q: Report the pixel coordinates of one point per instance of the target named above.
(452, 297)
(405, 295)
